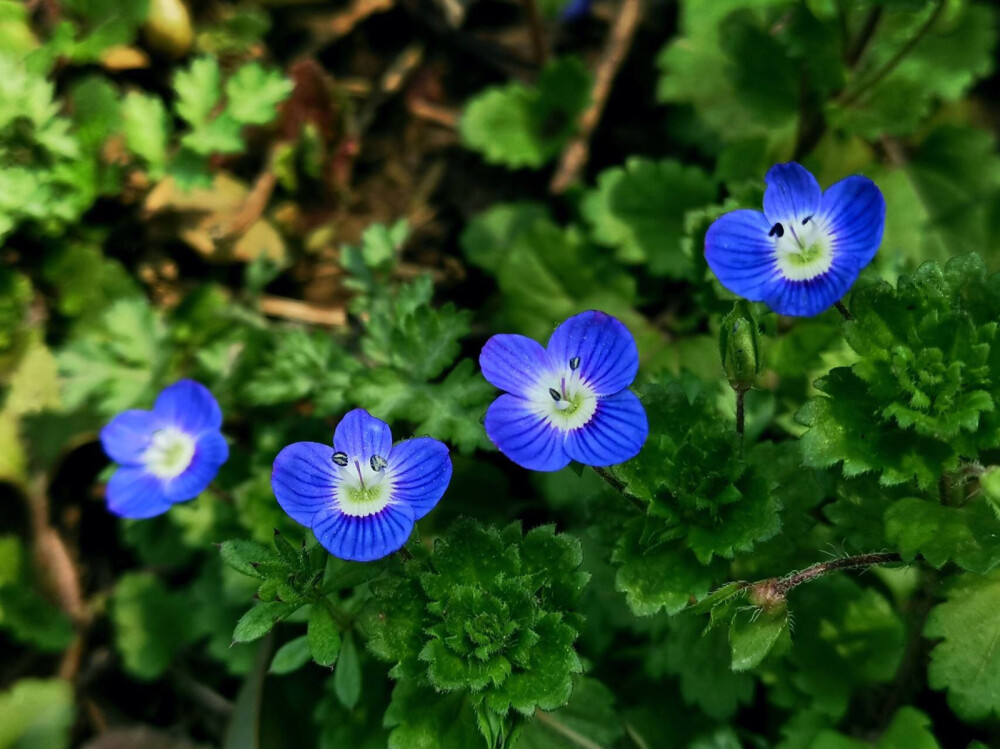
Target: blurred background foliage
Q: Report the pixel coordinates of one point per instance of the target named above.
(313, 206)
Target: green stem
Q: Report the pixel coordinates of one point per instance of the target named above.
(741, 415)
(619, 486)
(851, 97)
(336, 614)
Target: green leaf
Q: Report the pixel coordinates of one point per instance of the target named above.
(146, 126)
(493, 616)
(665, 577)
(845, 637)
(324, 637)
(959, 49)
(717, 597)
(526, 126)
(589, 713)
(291, 656)
(113, 366)
(421, 718)
(967, 661)
(36, 714)
(151, 624)
(923, 393)
(754, 633)
(260, 619)
(702, 663)
(245, 556)
(347, 677)
(486, 237)
(254, 94)
(639, 209)
(969, 536)
(198, 88)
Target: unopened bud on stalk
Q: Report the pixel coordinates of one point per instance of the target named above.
(739, 347)
(989, 483)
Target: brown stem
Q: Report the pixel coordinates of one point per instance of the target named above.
(781, 586)
(538, 46)
(577, 151)
(620, 487)
(844, 312)
(850, 97)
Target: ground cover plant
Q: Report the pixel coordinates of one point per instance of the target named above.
(431, 375)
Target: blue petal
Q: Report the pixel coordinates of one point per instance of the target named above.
(361, 435)
(524, 436)
(365, 539)
(792, 193)
(808, 298)
(304, 479)
(609, 358)
(127, 436)
(420, 470)
(211, 451)
(741, 254)
(134, 493)
(615, 433)
(514, 363)
(189, 406)
(853, 212)
(575, 9)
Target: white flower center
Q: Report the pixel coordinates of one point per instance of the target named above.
(169, 453)
(566, 400)
(364, 487)
(803, 249)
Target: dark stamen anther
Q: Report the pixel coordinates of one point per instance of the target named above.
(555, 395)
(377, 462)
(574, 363)
(340, 458)
(806, 220)
(777, 230)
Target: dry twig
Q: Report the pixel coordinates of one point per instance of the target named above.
(575, 155)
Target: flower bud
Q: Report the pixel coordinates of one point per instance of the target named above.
(989, 483)
(739, 347)
(168, 28)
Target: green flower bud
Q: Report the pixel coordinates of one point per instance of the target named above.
(739, 347)
(989, 483)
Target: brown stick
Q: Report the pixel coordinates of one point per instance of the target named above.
(57, 572)
(293, 309)
(575, 155)
(538, 45)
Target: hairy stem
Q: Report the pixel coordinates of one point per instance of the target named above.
(844, 312)
(741, 416)
(619, 486)
(776, 589)
(852, 96)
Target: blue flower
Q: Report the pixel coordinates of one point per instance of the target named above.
(569, 401)
(166, 455)
(362, 496)
(806, 249)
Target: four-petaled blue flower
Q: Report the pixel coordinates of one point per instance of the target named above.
(166, 455)
(803, 253)
(569, 401)
(362, 496)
